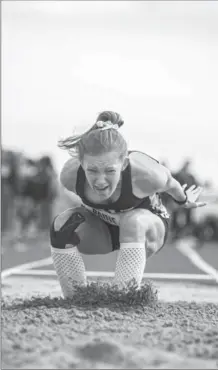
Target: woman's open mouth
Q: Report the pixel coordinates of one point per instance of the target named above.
(102, 188)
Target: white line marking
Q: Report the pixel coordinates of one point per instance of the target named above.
(25, 266)
(184, 248)
(166, 276)
(188, 251)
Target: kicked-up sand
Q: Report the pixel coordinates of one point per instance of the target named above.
(164, 325)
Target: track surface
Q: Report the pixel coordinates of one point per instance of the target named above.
(168, 260)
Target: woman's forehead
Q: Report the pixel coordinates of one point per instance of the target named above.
(106, 159)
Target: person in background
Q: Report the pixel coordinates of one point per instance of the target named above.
(27, 208)
(206, 220)
(182, 221)
(47, 190)
(9, 179)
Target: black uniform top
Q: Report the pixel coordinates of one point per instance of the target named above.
(141, 180)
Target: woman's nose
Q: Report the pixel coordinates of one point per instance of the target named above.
(101, 179)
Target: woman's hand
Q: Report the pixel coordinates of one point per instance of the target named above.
(193, 194)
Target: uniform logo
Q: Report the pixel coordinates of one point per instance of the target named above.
(104, 216)
(108, 217)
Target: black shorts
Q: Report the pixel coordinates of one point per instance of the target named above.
(114, 232)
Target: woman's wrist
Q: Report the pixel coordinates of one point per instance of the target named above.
(181, 202)
(175, 190)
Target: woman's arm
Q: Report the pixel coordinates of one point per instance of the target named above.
(150, 177)
(68, 175)
(174, 188)
(185, 197)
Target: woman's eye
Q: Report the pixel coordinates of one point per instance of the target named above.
(91, 170)
(110, 171)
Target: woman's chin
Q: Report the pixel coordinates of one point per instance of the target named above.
(104, 195)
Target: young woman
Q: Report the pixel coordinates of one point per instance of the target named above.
(120, 204)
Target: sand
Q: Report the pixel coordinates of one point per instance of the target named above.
(177, 327)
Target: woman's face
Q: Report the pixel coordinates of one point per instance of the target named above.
(103, 172)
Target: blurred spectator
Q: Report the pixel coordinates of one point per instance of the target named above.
(206, 218)
(26, 206)
(182, 221)
(37, 191)
(28, 190)
(8, 189)
(185, 175)
(46, 191)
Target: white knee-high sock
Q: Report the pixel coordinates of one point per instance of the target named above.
(70, 269)
(130, 263)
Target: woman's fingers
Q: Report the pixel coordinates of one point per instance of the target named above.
(198, 189)
(195, 190)
(201, 204)
(192, 187)
(195, 204)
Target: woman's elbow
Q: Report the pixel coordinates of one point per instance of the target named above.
(164, 181)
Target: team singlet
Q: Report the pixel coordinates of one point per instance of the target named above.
(111, 213)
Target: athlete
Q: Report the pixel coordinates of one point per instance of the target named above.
(120, 205)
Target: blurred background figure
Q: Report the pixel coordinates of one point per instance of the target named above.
(29, 191)
(26, 205)
(182, 220)
(201, 223)
(205, 219)
(9, 178)
(46, 190)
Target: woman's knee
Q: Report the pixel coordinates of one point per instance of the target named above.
(142, 226)
(62, 231)
(77, 226)
(134, 226)
(63, 217)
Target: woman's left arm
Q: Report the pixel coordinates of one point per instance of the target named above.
(187, 198)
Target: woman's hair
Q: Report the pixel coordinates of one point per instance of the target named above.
(102, 137)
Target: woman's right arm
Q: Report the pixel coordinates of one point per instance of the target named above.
(68, 175)
(68, 178)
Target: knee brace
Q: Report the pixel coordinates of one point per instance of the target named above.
(66, 234)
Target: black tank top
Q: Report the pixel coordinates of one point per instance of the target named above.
(127, 199)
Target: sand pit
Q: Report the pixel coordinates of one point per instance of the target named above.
(41, 330)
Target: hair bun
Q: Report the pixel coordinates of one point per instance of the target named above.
(111, 116)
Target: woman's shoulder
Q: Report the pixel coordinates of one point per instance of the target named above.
(148, 175)
(68, 175)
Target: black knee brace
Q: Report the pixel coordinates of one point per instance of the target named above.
(66, 234)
